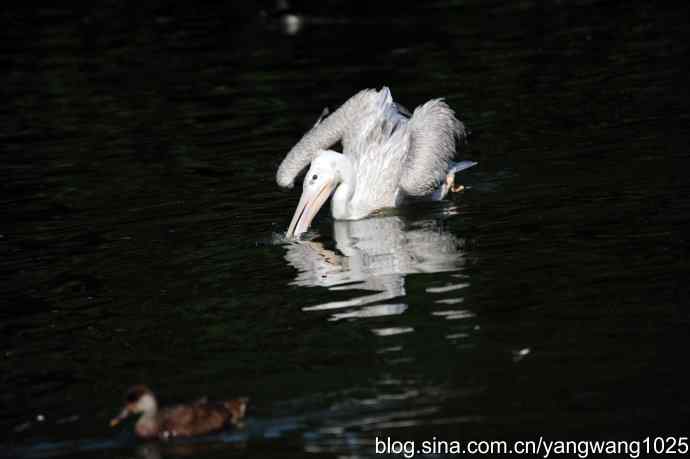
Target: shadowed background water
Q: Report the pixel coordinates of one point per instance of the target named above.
(140, 232)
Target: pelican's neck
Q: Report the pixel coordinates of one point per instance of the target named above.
(341, 200)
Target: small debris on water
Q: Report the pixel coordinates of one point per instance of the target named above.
(520, 354)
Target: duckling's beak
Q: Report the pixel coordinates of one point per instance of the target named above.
(309, 204)
(120, 417)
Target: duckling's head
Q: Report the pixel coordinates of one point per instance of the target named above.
(139, 399)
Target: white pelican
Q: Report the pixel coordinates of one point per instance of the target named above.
(387, 156)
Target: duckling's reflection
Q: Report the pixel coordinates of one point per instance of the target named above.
(374, 254)
(159, 450)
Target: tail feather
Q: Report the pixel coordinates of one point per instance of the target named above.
(460, 166)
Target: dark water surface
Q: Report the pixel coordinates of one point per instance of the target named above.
(141, 227)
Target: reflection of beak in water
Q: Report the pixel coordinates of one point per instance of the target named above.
(375, 254)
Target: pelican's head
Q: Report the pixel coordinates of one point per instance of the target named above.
(140, 399)
(322, 179)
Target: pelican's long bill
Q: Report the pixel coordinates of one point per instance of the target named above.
(309, 204)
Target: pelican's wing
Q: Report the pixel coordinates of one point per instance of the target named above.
(372, 130)
(434, 130)
(326, 132)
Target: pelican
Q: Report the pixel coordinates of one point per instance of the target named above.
(388, 155)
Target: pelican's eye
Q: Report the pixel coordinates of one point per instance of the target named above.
(314, 177)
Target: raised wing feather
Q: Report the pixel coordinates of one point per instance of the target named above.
(434, 130)
(325, 133)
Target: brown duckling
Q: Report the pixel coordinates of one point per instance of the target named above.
(196, 418)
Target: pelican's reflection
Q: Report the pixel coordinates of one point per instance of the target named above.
(374, 255)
